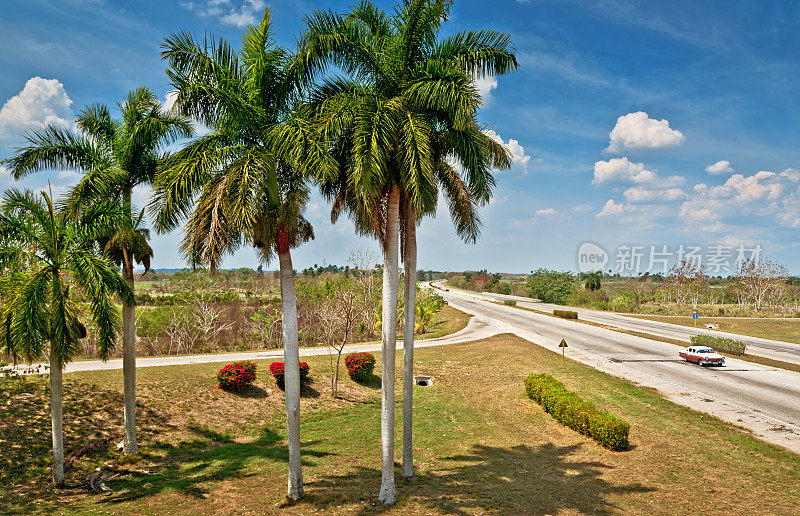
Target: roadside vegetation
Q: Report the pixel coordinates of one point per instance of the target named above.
(481, 444)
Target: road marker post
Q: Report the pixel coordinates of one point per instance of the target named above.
(563, 347)
(694, 316)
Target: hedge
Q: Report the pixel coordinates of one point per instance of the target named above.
(721, 344)
(565, 314)
(510, 302)
(569, 409)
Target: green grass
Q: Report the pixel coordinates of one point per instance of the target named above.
(481, 445)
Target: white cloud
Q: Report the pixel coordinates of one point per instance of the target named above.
(169, 100)
(228, 12)
(720, 167)
(611, 208)
(41, 102)
(546, 212)
(637, 131)
(620, 169)
(644, 194)
(519, 160)
(485, 87)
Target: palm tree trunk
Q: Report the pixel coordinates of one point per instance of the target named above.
(410, 263)
(291, 359)
(129, 351)
(388, 494)
(56, 398)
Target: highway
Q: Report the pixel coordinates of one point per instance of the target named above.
(779, 350)
(761, 398)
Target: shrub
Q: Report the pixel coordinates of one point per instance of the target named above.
(565, 314)
(276, 368)
(360, 365)
(510, 302)
(236, 376)
(721, 344)
(569, 409)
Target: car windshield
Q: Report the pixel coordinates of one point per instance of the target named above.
(705, 350)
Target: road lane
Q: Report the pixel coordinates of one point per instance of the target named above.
(761, 398)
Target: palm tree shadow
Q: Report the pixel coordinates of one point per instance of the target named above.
(543, 480)
(219, 458)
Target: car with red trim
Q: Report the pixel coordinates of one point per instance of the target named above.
(702, 355)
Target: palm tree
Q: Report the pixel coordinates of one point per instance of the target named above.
(116, 156)
(247, 175)
(408, 84)
(39, 317)
(592, 280)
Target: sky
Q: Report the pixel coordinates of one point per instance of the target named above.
(642, 131)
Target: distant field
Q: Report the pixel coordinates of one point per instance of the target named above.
(481, 445)
(779, 329)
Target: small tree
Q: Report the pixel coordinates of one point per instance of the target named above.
(338, 314)
(592, 280)
(550, 286)
(40, 316)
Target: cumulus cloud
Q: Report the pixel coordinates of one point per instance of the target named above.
(519, 160)
(169, 100)
(41, 102)
(637, 131)
(228, 12)
(620, 170)
(644, 194)
(720, 167)
(485, 87)
(546, 212)
(611, 208)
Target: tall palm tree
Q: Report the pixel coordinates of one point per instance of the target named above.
(248, 176)
(115, 155)
(39, 316)
(406, 84)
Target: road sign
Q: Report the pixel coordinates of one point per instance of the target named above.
(563, 344)
(694, 315)
(563, 347)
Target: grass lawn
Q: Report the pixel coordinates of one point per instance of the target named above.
(481, 446)
(779, 329)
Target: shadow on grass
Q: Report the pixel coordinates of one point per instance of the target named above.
(546, 479)
(373, 381)
(212, 456)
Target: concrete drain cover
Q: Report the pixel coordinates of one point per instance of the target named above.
(424, 381)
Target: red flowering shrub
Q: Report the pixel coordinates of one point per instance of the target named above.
(360, 365)
(234, 377)
(276, 368)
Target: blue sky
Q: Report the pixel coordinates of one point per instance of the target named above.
(638, 124)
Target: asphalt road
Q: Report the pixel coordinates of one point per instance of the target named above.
(765, 399)
(779, 350)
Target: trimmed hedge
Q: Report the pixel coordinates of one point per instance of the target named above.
(276, 368)
(720, 344)
(569, 409)
(360, 365)
(565, 314)
(510, 302)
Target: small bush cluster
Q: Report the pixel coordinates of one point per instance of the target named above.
(234, 377)
(566, 314)
(510, 302)
(277, 368)
(360, 365)
(720, 344)
(569, 409)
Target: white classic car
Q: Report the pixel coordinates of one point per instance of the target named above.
(702, 355)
